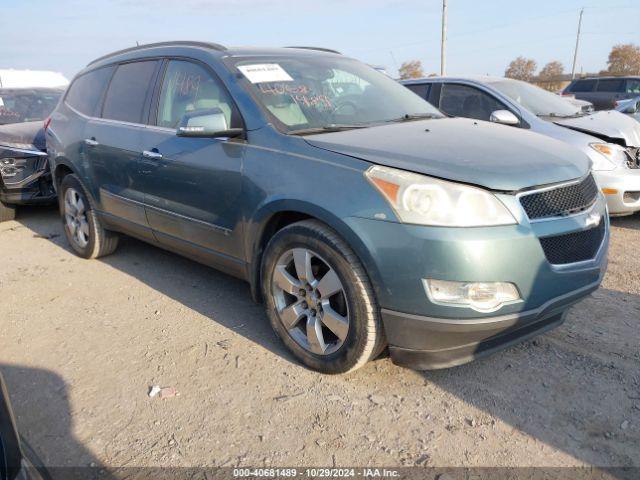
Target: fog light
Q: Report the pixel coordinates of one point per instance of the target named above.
(480, 296)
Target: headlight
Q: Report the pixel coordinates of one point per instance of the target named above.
(426, 200)
(611, 156)
(480, 296)
(10, 167)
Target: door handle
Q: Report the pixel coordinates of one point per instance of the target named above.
(151, 154)
(91, 142)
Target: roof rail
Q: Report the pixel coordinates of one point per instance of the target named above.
(214, 46)
(319, 49)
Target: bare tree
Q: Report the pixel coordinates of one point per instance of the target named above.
(551, 75)
(411, 69)
(521, 69)
(624, 60)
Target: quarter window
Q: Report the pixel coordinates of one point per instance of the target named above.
(613, 85)
(421, 90)
(465, 101)
(188, 87)
(86, 91)
(128, 90)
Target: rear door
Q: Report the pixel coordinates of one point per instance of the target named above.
(113, 145)
(192, 185)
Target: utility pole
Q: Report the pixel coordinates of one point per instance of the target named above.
(443, 43)
(575, 52)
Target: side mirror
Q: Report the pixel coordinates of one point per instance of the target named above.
(504, 117)
(209, 123)
(632, 108)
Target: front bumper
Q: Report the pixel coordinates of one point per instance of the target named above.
(626, 184)
(426, 335)
(434, 343)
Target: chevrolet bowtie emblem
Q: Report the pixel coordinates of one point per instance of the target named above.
(593, 220)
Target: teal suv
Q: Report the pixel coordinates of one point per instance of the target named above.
(359, 214)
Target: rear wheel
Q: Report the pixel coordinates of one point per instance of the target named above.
(82, 227)
(319, 299)
(7, 212)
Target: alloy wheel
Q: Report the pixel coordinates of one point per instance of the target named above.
(310, 301)
(75, 215)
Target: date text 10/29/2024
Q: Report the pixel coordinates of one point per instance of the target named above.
(315, 473)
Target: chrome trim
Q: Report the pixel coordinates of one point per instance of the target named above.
(555, 187)
(35, 153)
(224, 230)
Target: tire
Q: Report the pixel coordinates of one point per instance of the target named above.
(7, 212)
(302, 319)
(92, 241)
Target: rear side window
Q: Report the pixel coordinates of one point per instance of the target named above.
(613, 85)
(128, 90)
(465, 101)
(421, 90)
(86, 91)
(583, 86)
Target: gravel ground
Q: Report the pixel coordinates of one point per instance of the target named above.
(83, 341)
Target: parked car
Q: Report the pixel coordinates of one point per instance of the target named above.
(583, 105)
(611, 140)
(24, 169)
(630, 106)
(603, 92)
(17, 459)
(356, 211)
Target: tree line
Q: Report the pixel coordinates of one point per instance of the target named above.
(623, 59)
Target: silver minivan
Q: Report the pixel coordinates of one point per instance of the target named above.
(610, 138)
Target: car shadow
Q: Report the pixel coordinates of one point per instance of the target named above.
(215, 295)
(570, 390)
(630, 222)
(40, 401)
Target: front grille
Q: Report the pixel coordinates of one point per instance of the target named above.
(574, 247)
(561, 201)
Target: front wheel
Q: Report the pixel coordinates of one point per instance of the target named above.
(319, 299)
(82, 227)
(7, 212)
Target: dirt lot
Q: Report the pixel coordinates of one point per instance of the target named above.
(82, 342)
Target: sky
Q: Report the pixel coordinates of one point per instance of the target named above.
(483, 36)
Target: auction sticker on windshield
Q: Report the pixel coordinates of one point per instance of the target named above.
(265, 72)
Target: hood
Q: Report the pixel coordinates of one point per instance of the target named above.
(27, 135)
(610, 126)
(493, 156)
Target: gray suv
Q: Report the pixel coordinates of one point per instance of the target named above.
(359, 214)
(604, 92)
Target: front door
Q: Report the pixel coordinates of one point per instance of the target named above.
(192, 185)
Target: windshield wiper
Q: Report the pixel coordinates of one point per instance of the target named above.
(408, 117)
(325, 129)
(556, 115)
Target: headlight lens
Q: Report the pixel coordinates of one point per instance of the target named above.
(611, 156)
(480, 296)
(423, 200)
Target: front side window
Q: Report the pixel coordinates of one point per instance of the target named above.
(27, 105)
(633, 86)
(86, 91)
(466, 101)
(128, 90)
(313, 92)
(188, 87)
(613, 85)
(582, 86)
(538, 101)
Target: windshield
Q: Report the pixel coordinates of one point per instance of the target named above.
(306, 94)
(26, 105)
(536, 100)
